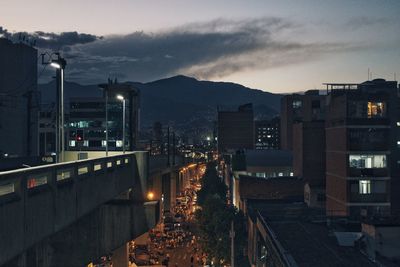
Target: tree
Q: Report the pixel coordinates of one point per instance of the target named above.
(215, 217)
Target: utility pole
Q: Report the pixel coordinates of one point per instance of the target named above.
(59, 64)
(173, 148)
(232, 235)
(168, 148)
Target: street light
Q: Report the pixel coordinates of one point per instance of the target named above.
(59, 64)
(120, 97)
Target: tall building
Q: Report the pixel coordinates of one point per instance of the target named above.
(18, 99)
(309, 160)
(267, 134)
(362, 149)
(87, 120)
(236, 129)
(299, 108)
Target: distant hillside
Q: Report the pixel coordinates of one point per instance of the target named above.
(181, 100)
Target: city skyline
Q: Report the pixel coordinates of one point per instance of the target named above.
(277, 47)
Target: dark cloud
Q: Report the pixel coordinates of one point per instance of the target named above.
(50, 40)
(205, 50)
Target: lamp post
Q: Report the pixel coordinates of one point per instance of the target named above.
(59, 64)
(120, 97)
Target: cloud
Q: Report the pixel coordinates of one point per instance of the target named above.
(356, 23)
(205, 50)
(50, 40)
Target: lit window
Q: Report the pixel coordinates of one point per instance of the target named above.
(280, 174)
(398, 143)
(364, 187)
(86, 143)
(297, 103)
(367, 161)
(72, 143)
(398, 123)
(376, 109)
(291, 174)
(119, 143)
(103, 143)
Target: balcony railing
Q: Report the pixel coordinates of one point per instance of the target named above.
(368, 198)
(373, 172)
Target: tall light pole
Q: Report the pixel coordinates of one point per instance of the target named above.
(120, 97)
(59, 64)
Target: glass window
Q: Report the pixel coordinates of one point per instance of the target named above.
(72, 143)
(364, 187)
(297, 104)
(367, 161)
(376, 109)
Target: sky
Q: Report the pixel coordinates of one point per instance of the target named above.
(277, 46)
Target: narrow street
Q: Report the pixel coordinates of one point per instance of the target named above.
(172, 242)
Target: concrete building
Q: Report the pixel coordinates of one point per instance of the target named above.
(287, 233)
(18, 99)
(309, 160)
(236, 129)
(263, 164)
(299, 108)
(362, 149)
(267, 134)
(87, 120)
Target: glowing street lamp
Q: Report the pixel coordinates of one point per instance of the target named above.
(59, 64)
(120, 97)
(150, 195)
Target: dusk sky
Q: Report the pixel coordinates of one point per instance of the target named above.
(277, 46)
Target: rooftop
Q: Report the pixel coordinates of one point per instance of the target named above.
(309, 242)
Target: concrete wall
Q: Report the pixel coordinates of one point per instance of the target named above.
(30, 215)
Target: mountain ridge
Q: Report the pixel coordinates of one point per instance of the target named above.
(179, 99)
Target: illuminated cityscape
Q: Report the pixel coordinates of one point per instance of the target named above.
(207, 133)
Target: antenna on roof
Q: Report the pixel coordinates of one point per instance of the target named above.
(394, 74)
(368, 75)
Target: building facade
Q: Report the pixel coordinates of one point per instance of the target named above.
(309, 106)
(18, 99)
(236, 129)
(362, 149)
(87, 120)
(267, 134)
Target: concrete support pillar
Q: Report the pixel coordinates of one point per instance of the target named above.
(120, 256)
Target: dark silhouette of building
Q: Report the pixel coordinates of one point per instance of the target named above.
(299, 108)
(309, 160)
(362, 149)
(236, 129)
(267, 134)
(18, 99)
(303, 131)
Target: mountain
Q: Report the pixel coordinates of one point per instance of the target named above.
(180, 100)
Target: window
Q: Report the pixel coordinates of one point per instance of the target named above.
(119, 143)
(297, 104)
(36, 181)
(367, 161)
(364, 187)
(72, 143)
(6, 189)
(376, 109)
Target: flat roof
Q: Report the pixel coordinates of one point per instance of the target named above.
(308, 243)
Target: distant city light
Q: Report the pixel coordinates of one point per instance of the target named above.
(208, 138)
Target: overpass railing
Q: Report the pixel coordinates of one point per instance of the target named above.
(38, 201)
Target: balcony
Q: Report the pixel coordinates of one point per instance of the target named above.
(367, 121)
(368, 198)
(373, 172)
(368, 146)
